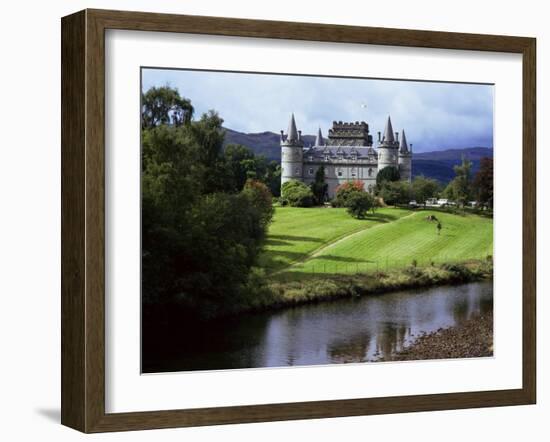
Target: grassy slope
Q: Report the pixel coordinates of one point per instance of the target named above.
(397, 244)
(296, 233)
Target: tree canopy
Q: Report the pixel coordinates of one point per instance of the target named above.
(483, 182)
(164, 105)
(389, 173)
(202, 231)
(460, 188)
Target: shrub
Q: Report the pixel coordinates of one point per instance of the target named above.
(343, 192)
(260, 197)
(297, 194)
(359, 203)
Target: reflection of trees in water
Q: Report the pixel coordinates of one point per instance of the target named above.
(461, 311)
(351, 349)
(391, 338)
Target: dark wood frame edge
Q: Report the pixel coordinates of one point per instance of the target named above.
(83, 235)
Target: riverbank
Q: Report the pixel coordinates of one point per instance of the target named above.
(471, 339)
(328, 287)
(265, 294)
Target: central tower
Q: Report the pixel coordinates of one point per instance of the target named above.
(292, 153)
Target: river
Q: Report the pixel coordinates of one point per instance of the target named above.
(342, 331)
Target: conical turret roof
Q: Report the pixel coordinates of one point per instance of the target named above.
(388, 132)
(292, 133)
(403, 146)
(319, 140)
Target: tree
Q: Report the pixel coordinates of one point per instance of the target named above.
(261, 198)
(460, 188)
(273, 178)
(297, 194)
(164, 105)
(319, 187)
(483, 182)
(389, 173)
(208, 134)
(344, 190)
(242, 163)
(395, 192)
(200, 238)
(424, 188)
(359, 203)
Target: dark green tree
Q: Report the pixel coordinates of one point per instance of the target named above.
(164, 105)
(359, 203)
(424, 188)
(319, 187)
(200, 238)
(460, 188)
(483, 182)
(395, 192)
(387, 174)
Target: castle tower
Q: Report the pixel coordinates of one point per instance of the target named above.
(388, 148)
(292, 152)
(405, 159)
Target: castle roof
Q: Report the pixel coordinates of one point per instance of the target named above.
(388, 132)
(403, 146)
(292, 133)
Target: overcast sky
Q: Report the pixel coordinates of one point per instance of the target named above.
(434, 115)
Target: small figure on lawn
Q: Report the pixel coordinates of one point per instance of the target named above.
(439, 228)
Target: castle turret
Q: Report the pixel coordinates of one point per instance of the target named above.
(319, 141)
(292, 152)
(405, 159)
(388, 148)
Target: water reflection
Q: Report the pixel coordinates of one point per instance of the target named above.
(351, 330)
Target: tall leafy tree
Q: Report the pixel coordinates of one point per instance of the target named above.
(424, 188)
(200, 238)
(483, 182)
(460, 188)
(164, 105)
(319, 187)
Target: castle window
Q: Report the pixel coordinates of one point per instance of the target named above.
(297, 171)
(310, 158)
(340, 173)
(327, 158)
(370, 172)
(311, 170)
(353, 172)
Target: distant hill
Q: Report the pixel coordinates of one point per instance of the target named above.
(436, 164)
(263, 143)
(439, 164)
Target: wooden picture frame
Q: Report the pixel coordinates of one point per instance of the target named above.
(83, 220)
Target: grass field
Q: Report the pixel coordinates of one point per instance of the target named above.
(296, 233)
(329, 241)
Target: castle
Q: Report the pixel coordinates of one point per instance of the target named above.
(347, 155)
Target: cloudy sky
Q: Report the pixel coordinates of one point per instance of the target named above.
(434, 115)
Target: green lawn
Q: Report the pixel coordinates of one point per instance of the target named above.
(330, 241)
(295, 233)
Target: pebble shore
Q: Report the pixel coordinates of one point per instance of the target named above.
(471, 339)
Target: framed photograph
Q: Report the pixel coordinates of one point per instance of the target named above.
(269, 220)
